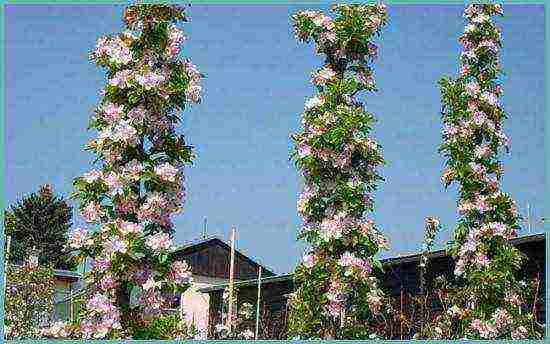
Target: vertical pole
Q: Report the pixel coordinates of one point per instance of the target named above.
(181, 310)
(231, 280)
(71, 309)
(401, 314)
(528, 218)
(258, 303)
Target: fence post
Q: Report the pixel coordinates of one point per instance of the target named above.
(231, 281)
(258, 303)
(71, 309)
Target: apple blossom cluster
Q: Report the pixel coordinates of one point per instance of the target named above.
(132, 198)
(338, 160)
(473, 137)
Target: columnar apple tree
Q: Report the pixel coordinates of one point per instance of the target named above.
(337, 292)
(131, 199)
(473, 137)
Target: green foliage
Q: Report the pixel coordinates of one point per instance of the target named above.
(41, 220)
(164, 327)
(28, 300)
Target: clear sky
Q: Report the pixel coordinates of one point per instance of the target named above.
(257, 78)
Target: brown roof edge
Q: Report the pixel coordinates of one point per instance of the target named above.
(220, 242)
(386, 261)
(441, 253)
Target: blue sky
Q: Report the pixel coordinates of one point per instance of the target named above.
(257, 78)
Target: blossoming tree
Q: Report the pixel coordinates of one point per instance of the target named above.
(473, 137)
(337, 293)
(140, 183)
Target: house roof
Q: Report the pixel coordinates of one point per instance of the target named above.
(199, 244)
(387, 261)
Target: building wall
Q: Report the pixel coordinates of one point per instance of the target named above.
(213, 260)
(196, 304)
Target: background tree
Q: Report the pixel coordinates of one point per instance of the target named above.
(338, 294)
(40, 220)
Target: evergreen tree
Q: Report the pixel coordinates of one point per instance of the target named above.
(40, 220)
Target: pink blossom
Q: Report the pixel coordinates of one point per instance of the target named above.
(464, 70)
(490, 98)
(459, 267)
(477, 168)
(471, 10)
(490, 45)
(99, 303)
(323, 76)
(166, 172)
(180, 273)
(121, 79)
(483, 151)
(150, 80)
(334, 309)
(115, 245)
(482, 259)
(193, 93)
(331, 229)
(92, 212)
(130, 227)
(482, 206)
(520, 333)
(92, 176)
(133, 169)
(192, 72)
(313, 103)
(101, 264)
(304, 150)
(107, 282)
(309, 260)
(367, 227)
(112, 112)
(126, 205)
(137, 114)
(159, 241)
(125, 132)
(512, 298)
(114, 183)
(502, 318)
(472, 88)
(79, 238)
(319, 19)
(347, 259)
(328, 36)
